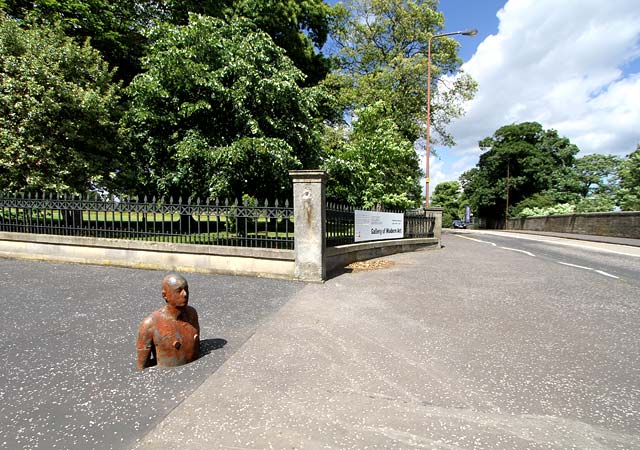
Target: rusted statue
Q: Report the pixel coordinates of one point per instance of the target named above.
(170, 336)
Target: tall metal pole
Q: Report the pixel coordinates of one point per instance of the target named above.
(428, 131)
(428, 137)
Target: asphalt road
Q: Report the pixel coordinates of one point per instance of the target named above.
(491, 342)
(67, 346)
(474, 346)
(613, 261)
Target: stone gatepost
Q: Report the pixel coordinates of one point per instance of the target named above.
(437, 229)
(309, 207)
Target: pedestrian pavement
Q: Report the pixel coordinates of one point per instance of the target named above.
(431, 352)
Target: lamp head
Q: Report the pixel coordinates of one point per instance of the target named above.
(469, 32)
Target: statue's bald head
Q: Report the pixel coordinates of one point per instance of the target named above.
(175, 290)
(174, 280)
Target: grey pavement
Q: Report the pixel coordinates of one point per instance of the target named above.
(468, 347)
(67, 346)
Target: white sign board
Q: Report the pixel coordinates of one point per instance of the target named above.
(373, 226)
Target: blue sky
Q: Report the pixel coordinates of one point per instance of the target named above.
(571, 65)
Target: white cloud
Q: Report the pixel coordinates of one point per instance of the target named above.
(560, 63)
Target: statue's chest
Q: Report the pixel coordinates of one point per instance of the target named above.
(175, 334)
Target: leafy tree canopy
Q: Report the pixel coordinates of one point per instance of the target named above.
(629, 194)
(117, 28)
(532, 160)
(219, 111)
(58, 112)
(382, 55)
(374, 164)
(299, 27)
(598, 174)
(114, 27)
(448, 196)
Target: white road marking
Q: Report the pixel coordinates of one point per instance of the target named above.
(574, 265)
(607, 274)
(596, 246)
(477, 240)
(518, 250)
(601, 272)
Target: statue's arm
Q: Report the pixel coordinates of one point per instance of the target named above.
(192, 317)
(196, 324)
(144, 343)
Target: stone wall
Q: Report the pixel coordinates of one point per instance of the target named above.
(310, 261)
(618, 224)
(259, 262)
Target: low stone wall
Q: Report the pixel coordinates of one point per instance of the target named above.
(259, 262)
(342, 255)
(310, 261)
(271, 263)
(618, 224)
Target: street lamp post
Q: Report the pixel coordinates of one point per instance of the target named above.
(428, 137)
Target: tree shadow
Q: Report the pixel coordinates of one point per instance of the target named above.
(209, 345)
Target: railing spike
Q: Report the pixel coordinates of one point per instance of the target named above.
(286, 203)
(276, 203)
(145, 199)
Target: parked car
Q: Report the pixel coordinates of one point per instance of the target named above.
(459, 224)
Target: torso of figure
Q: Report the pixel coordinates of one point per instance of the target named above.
(174, 341)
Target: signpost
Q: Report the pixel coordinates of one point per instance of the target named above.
(375, 226)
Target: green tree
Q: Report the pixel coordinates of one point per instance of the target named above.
(598, 174)
(629, 194)
(299, 27)
(117, 28)
(373, 164)
(448, 196)
(523, 160)
(218, 111)
(58, 112)
(382, 55)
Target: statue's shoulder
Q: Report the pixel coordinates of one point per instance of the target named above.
(146, 326)
(190, 312)
(150, 319)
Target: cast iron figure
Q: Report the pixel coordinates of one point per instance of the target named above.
(170, 336)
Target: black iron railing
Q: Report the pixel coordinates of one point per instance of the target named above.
(212, 222)
(419, 223)
(340, 225)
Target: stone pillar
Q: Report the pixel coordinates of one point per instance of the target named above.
(437, 229)
(309, 207)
